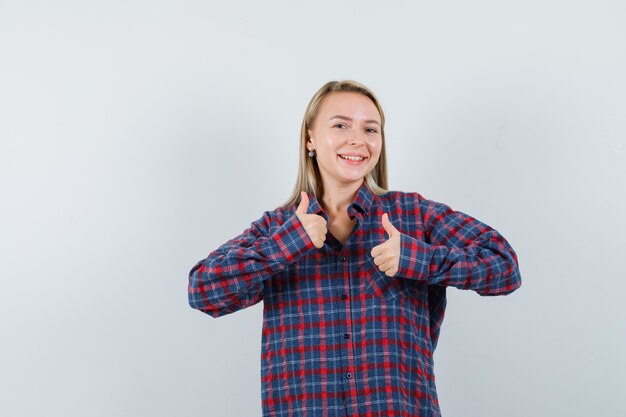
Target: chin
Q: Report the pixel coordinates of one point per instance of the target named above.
(352, 178)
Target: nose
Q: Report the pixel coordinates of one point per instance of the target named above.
(356, 140)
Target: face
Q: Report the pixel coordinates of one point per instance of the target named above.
(346, 137)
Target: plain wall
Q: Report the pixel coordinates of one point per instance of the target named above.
(136, 137)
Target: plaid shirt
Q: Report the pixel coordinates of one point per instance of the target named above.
(341, 338)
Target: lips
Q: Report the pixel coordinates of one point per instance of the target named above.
(353, 157)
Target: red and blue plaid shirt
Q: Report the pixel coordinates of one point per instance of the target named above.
(341, 338)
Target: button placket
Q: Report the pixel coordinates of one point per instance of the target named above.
(344, 268)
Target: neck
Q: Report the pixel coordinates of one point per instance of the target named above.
(337, 197)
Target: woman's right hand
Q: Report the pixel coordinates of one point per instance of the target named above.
(314, 225)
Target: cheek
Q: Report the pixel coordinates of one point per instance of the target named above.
(329, 141)
(375, 145)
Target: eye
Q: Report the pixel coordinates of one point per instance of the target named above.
(372, 130)
(340, 125)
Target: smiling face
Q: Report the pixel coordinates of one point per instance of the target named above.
(346, 137)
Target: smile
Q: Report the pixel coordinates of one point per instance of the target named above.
(352, 157)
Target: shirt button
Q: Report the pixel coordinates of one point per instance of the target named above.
(342, 259)
(344, 296)
(349, 375)
(346, 336)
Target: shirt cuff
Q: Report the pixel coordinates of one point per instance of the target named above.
(415, 258)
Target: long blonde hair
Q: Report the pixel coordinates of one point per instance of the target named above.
(309, 177)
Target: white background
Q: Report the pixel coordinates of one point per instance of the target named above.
(136, 137)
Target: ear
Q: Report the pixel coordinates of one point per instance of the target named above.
(310, 144)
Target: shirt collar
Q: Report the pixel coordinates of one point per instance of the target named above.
(362, 200)
(361, 204)
(315, 207)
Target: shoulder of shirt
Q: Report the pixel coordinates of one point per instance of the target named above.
(411, 198)
(393, 195)
(271, 219)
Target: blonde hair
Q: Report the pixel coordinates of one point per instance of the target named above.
(309, 177)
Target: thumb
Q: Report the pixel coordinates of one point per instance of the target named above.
(389, 228)
(304, 203)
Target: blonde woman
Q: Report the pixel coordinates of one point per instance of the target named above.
(353, 277)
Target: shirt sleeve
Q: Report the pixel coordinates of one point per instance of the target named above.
(459, 251)
(232, 276)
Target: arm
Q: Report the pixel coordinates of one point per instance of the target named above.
(232, 276)
(459, 251)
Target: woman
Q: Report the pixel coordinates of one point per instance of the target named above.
(353, 277)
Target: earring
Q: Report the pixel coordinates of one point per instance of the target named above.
(311, 153)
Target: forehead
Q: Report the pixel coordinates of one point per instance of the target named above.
(353, 105)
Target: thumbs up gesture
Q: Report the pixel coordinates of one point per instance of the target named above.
(387, 254)
(314, 225)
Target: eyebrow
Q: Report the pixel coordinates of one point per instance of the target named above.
(349, 119)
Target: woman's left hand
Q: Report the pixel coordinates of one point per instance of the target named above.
(387, 254)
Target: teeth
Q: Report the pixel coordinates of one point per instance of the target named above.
(352, 158)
